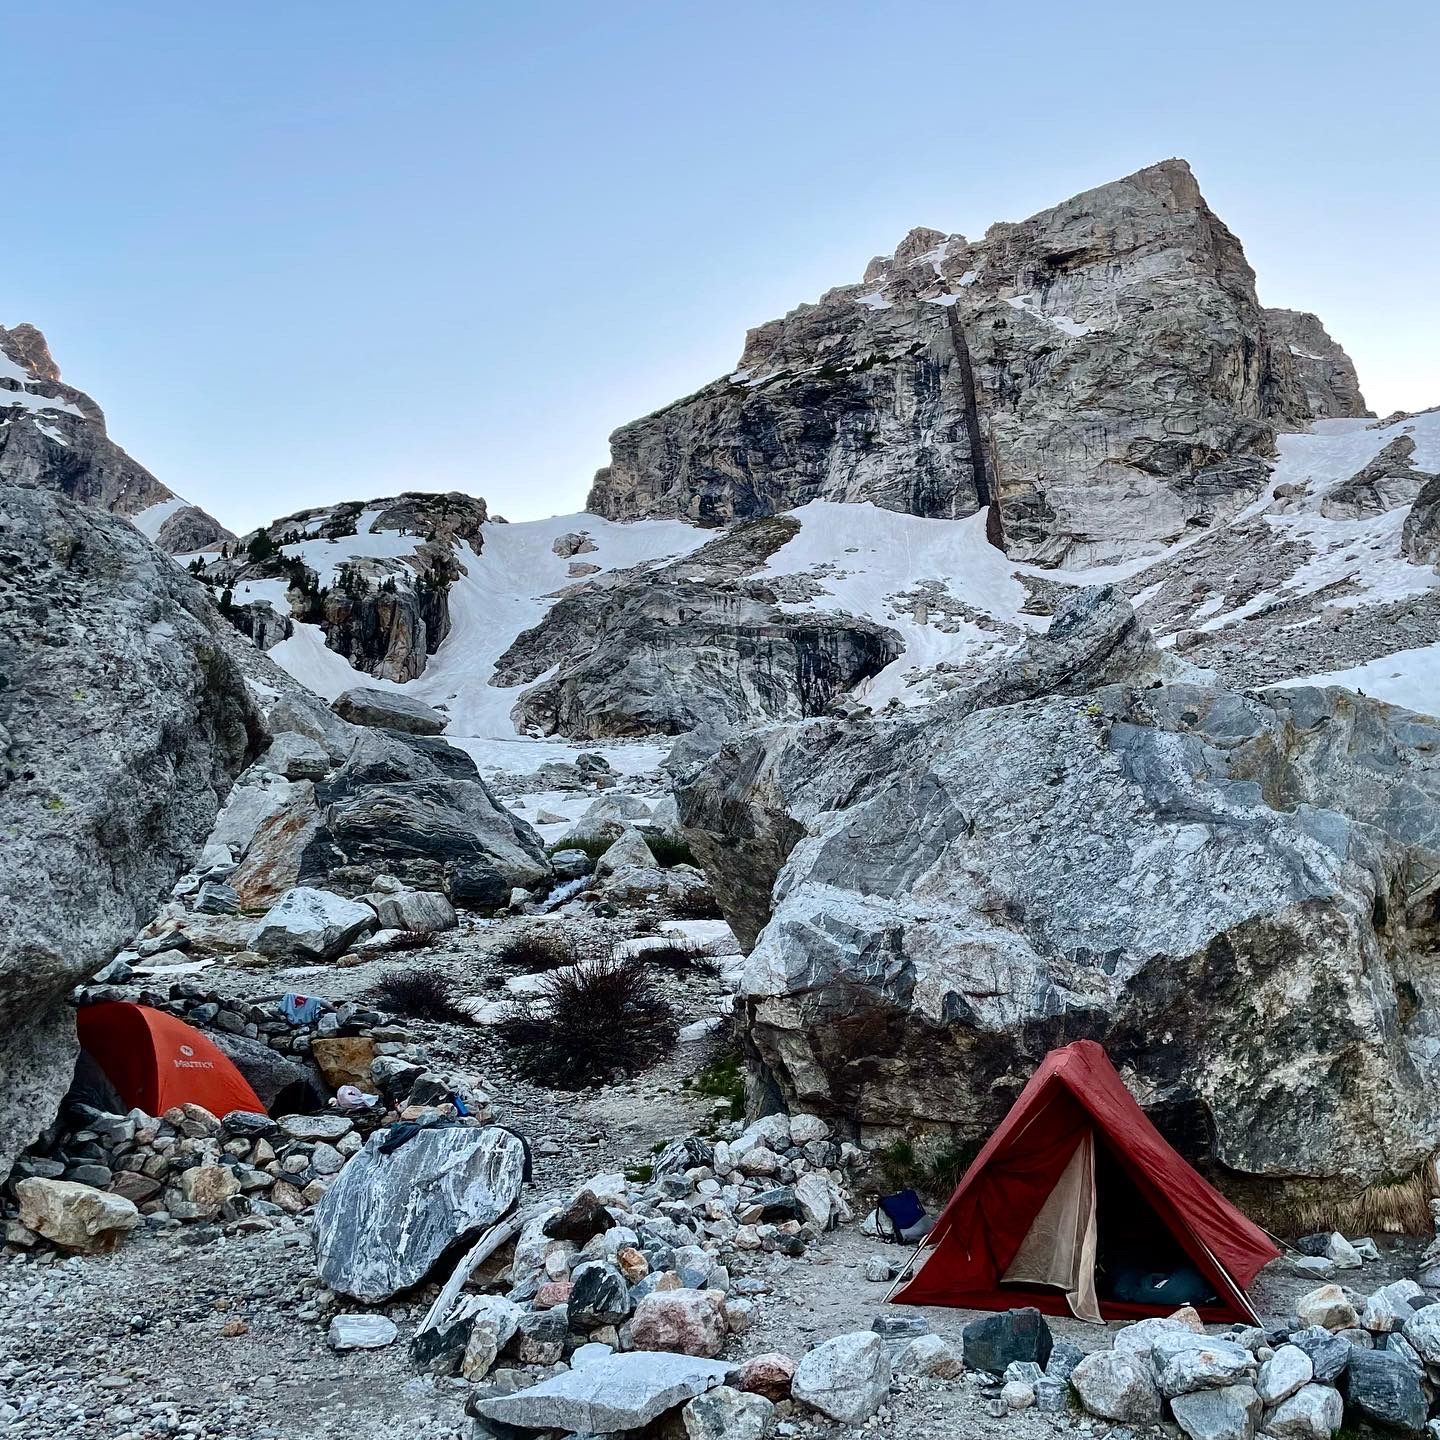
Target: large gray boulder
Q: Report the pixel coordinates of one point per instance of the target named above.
(308, 924)
(418, 809)
(389, 710)
(123, 722)
(1102, 370)
(389, 1217)
(1230, 892)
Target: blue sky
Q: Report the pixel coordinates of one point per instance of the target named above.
(319, 250)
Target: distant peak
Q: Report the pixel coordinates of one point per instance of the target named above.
(26, 346)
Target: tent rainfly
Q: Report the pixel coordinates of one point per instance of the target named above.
(1077, 1205)
(155, 1061)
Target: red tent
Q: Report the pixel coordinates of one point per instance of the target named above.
(1074, 1158)
(156, 1061)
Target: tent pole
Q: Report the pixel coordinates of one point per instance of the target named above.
(909, 1266)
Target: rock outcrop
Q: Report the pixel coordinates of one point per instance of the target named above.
(384, 607)
(1420, 538)
(123, 722)
(1233, 893)
(700, 642)
(1102, 373)
(1327, 373)
(54, 435)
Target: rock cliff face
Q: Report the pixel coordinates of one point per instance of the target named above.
(1327, 373)
(697, 643)
(53, 435)
(1235, 895)
(381, 602)
(123, 721)
(1102, 372)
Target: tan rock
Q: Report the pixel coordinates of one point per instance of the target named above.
(344, 1059)
(208, 1187)
(75, 1217)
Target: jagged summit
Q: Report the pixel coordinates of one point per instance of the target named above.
(53, 435)
(1103, 372)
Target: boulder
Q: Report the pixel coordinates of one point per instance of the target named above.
(418, 809)
(1230, 1412)
(1117, 1385)
(493, 1322)
(1140, 1337)
(389, 1217)
(72, 1216)
(295, 757)
(629, 852)
(123, 723)
(1420, 537)
(268, 1073)
(389, 710)
(620, 1392)
(344, 1059)
(1314, 1412)
(1386, 1391)
(939, 879)
(847, 1378)
(1422, 1330)
(931, 1356)
(309, 924)
(998, 1340)
(417, 910)
(727, 1414)
(689, 1322)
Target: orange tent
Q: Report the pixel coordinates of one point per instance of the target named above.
(156, 1061)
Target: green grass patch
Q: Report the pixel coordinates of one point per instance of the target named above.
(723, 1079)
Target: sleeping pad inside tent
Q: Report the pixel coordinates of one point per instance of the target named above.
(1077, 1205)
(155, 1061)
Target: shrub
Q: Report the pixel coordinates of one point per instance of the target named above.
(534, 949)
(602, 1018)
(697, 905)
(931, 1165)
(402, 940)
(420, 994)
(681, 954)
(668, 850)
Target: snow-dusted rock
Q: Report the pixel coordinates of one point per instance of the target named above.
(309, 924)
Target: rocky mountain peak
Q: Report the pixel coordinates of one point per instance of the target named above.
(1102, 374)
(26, 346)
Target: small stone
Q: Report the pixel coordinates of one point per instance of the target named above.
(1386, 1390)
(878, 1270)
(993, 1342)
(769, 1375)
(1284, 1373)
(727, 1414)
(360, 1332)
(1229, 1412)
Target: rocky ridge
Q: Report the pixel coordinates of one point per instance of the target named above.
(1102, 374)
(54, 435)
